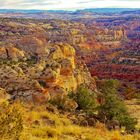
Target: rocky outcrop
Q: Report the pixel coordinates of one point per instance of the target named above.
(52, 75)
(104, 35)
(11, 53)
(60, 70)
(3, 54)
(41, 62)
(17, 83)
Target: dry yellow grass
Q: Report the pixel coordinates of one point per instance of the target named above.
(134, 109)
(43, 125)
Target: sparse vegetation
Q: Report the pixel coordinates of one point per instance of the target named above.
(44, 125)
(85, 98)
(113, 110)
(11, 121)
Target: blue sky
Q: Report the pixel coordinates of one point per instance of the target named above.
(67, 4)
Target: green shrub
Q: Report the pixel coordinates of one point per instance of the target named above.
(85, 98)
(113, 107)
(128, 122)
(11, 124)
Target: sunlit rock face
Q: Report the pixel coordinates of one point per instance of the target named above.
(3, 54)
(61, 70)
(37, 66)
(49, 74)
(110, 35)
(12, 53)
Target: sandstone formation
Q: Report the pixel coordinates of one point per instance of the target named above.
(11, 53)
(41, 56)
(50, 71)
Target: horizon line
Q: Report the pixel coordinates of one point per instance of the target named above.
(69, 9)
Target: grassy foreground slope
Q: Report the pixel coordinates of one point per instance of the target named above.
(134, 109)
(47, 123)
(41, 124)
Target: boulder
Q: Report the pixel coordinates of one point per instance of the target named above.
(15, 54)
(3, 54)
(11, 53)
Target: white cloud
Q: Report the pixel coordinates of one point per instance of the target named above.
(67, 4)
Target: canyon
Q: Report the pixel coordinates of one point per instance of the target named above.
(59, 50)
(71, 72)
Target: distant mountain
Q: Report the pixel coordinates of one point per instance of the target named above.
(131, 12)
(93, 10)
(69, 15)
(6, 11)
(108, 10)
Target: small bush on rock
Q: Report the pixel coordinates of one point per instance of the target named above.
(85, 98)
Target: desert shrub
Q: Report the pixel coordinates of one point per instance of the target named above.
(11, 123)
(113, 108)
(85, 98)
(128, 122)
